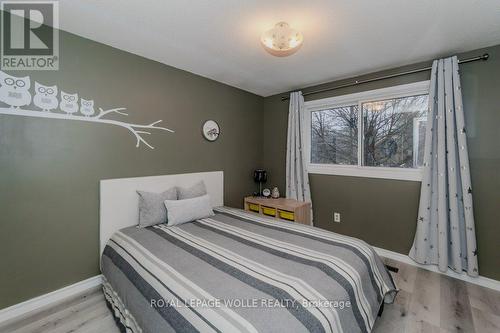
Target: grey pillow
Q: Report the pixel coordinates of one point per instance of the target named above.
(197, 190)
(151, 207)
(187, 210)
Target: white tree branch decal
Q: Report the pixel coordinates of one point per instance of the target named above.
(138, 130)
(116, 110)
(15, 92)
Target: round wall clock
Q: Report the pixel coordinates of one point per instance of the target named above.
(211, 130)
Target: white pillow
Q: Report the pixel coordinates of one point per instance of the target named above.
(187, 210)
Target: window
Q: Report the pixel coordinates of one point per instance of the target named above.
(378, 133)
(334, 135)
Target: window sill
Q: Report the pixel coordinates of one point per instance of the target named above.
(365, 171)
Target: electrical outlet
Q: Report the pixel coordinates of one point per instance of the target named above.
(336, 217)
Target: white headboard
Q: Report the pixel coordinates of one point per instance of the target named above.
(119, 201)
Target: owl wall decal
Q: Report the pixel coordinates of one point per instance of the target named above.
(69, 103)
(14, 91)
(45, 97)
(86, 107)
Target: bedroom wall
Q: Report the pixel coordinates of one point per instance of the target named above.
(50, 169)
(384, 212)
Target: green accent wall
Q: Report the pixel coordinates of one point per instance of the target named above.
(384, 212)
(50, 169)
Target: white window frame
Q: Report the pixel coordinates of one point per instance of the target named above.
(411, 89)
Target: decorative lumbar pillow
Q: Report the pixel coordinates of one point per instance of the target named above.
(187, 210)
(197, 190)
(151, 208)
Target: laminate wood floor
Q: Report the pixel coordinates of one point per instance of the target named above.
(432, 302)
(427, 302)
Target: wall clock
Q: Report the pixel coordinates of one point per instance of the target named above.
(211, 130)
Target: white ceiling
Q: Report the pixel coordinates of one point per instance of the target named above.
(219, 39)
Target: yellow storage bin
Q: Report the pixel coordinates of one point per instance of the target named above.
(253, 207)
(286, 215)
(268, 211)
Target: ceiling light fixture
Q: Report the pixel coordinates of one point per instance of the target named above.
(281, 41)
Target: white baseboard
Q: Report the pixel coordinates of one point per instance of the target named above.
(480, 280)
(23, 308)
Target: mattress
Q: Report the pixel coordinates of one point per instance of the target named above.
(241, 272)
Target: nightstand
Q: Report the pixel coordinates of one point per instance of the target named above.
(281, 209)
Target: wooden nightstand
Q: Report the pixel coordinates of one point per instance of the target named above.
(282, 209)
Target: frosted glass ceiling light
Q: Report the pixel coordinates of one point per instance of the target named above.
(281, 41)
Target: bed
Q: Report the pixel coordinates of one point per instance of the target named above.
(233, 272)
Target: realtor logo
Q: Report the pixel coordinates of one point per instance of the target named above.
(29, 35)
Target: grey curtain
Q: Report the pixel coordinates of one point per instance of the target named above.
(297, 178)
(445, 234)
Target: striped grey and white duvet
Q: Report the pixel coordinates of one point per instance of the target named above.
(240, 272)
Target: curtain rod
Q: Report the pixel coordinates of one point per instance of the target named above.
(357, 82)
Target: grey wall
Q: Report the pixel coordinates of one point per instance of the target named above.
(384, 212)
(50, 169)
